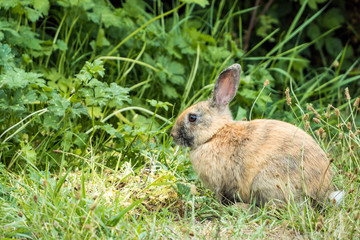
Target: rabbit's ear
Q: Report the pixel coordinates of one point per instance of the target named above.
(226, 86)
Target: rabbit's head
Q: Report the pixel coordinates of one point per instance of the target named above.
(197, 124)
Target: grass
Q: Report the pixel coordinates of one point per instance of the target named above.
(163, 199)
(139, 185)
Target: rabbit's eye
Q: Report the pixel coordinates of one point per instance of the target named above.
(192, 117)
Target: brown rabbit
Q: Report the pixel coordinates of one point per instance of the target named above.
(263, 160)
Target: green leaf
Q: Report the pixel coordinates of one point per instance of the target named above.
(159, 104)
(136, 9)
(111, 130)
(248, 94)
(169, 91)
(95, 112)
(183, 189)
(8, 4)
(61, 45)
(29, 153)
(90, 70)
(27, 38)
(170, 70)
(100, 13)
(42, 6)
(51, 121)
(333, 46)
(58, 105)
(101, 96)
(29, 97)
(6, 57)
(60, 182)
(67, 141)
(176, 79)
(202, 3)
(119, 94)
(18, 78)
(313, 31)
(176, 72)
(332, 18)
(152, 102)
(77, 110)
(52, 74)
(198, 36)
(95, 97)
(4, 100)
(18, 109)
(171, 47)
(267, 25)
(32, 14)
(312, 4)
(176, 68)
(13, 79)
(101, 39)
(116, 219)
(216, 54)
(81, 140)
(241, 113)
(96, 83)
(186, 44)
(301, 63)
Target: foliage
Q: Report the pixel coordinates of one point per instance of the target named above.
(90, 88)
(23, 92)
(100, 202)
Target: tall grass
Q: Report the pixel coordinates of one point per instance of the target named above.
(136, 185)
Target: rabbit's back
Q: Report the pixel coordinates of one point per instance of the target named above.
(266, 159)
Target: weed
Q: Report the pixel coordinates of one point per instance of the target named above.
(89, 90)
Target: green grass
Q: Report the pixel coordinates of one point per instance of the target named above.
(85, 151)
(163, 199)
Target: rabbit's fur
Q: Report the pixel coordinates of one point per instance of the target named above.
(263, 160)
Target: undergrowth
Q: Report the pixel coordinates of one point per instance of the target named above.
(163, 198)
(89, 90)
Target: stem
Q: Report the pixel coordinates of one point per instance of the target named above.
(252, 107)
(55, 38)
(139, 84)
(264, 10)
(192, 77)
(130, 60)
(143, 26)
(40, 113)
(251, 25)
(130, 108)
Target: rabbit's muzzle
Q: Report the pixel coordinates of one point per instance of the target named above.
(182, 136)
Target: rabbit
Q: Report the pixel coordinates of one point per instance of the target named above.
(259, 160)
